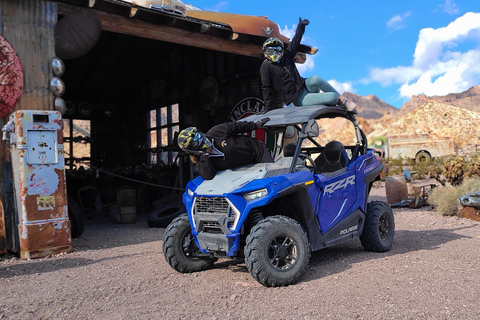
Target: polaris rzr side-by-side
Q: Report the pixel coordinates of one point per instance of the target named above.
(275, 214)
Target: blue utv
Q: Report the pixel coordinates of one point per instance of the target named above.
(275, 214)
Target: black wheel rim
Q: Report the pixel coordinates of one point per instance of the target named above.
(283, 252)
(383, 227)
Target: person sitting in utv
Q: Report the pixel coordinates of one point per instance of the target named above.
(223, 147)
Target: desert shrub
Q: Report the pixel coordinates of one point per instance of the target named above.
(453, 171)
(428, 169)
(445, 199)
(395, 166)
(473, 167)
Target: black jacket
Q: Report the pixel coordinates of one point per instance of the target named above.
(283, 76)
(238, 150)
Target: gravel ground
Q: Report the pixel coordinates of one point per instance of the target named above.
(118, 272)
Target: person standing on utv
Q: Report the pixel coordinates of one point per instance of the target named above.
(279, 75)
(223, 147)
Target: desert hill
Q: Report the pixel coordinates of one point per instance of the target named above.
(456, 115)
(469, 100)
(370, 107)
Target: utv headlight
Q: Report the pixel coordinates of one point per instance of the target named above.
(189, 193)
(257, 194)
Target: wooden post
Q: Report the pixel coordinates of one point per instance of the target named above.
(29, 26)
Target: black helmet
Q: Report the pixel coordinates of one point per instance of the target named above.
(191, 139)
(273, 49)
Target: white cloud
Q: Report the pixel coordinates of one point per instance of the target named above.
(309, 63)
(341, 87)
(288, 32)
(398, 21)
(218, 7)
(450, 7)
(437, 69)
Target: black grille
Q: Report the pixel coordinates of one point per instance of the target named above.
(212, 205)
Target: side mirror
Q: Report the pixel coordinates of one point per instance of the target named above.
(310, 129)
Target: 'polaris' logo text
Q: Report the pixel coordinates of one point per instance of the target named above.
(345, 231)
(342, 184)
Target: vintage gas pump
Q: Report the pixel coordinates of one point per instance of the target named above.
(39, 223)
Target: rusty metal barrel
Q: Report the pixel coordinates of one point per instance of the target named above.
(396, 188)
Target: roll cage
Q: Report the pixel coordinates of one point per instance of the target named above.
(304, 121)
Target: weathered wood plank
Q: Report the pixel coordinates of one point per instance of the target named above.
(133, 27)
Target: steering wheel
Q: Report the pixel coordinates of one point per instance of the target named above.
(312, 167)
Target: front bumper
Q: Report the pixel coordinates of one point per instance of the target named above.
(213, 219)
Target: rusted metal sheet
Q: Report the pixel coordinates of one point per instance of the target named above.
(11, 78)
(29, 27)
(469, 213)
(3, 233)
(253, 25)
(40, 186)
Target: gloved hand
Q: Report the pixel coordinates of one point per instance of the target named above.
(261, 122)
(197, 154)
(304, 21)
(204, 156)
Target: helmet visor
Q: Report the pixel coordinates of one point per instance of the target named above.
(200, 141)
(274, 53)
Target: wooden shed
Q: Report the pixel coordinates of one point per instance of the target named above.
(134, 76)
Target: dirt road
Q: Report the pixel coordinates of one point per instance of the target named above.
(118, 272)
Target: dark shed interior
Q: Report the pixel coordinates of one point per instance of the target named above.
(121, 86)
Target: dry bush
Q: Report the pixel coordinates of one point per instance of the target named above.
(473, 167)
(445, 199)
(453, 171)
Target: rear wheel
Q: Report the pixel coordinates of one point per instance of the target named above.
(277, 251)
(180, 249)
(422, 157)
(379, 227)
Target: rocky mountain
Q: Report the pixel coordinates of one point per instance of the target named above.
(456, 115)
(370, 107)
(469, 100)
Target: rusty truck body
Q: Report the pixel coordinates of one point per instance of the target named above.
(422, 147)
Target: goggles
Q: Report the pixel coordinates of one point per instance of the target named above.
(273, 50)
(200, 141)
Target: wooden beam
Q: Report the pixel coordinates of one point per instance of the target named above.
(134, 27)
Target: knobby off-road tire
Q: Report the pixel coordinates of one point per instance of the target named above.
(179, 247)
(379, 227)
(277, 251)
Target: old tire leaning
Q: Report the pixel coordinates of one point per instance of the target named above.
(422, 157)
(163, 216)
(277, 251)
(379, 227)
(76, 218)
(179, 247)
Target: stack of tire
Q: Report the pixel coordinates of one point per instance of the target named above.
(162, 216)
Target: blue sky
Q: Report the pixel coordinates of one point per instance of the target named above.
(391, 49)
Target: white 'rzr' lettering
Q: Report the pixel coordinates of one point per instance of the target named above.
(342, 184)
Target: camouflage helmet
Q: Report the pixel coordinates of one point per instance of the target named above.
(273, 49)
(192, 139)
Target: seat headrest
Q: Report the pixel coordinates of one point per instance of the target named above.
(333, 157)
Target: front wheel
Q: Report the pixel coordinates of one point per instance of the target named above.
(277, 251)
(180, 249)
(379, 227)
